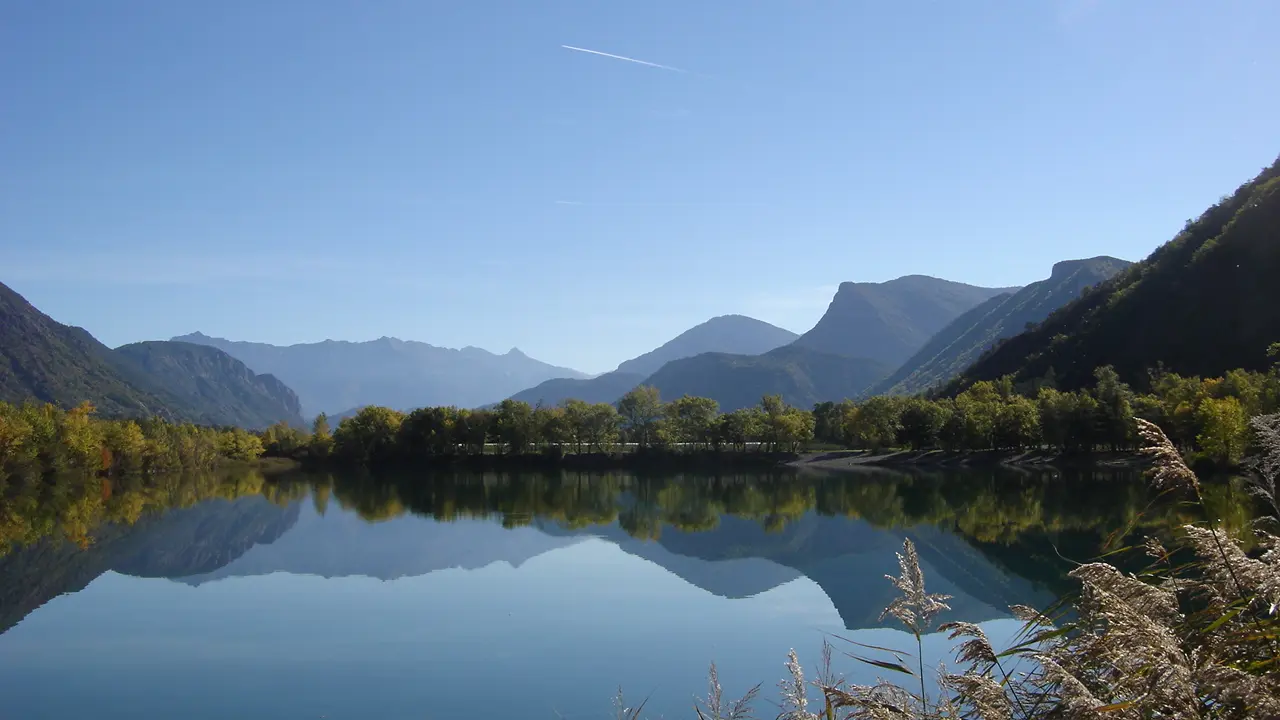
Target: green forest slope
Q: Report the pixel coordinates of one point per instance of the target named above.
(1206, 302)
(42, 359)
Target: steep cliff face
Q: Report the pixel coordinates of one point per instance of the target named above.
(888, 322)
(963, 341)
(221, 389)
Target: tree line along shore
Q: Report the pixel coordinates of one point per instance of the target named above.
(1207, 419)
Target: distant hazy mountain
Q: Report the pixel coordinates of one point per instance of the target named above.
(334, 376)
(800, 375)
(736, 334)
(41, 359)
(890, 321)
(604, 388)
(961, 342)
(222, 386)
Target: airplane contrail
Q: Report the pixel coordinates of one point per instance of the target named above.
(606, 203)
(623, 57)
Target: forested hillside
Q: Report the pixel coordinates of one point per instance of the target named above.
(1204, 303)
(222, 389)
(42, 359)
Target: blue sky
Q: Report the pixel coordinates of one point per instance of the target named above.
(295, 170)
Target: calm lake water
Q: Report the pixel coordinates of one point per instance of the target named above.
(500, 596)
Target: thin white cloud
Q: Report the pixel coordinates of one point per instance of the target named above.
(624, 57)
(623, 204)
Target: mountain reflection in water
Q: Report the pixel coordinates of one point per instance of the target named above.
(415, 590)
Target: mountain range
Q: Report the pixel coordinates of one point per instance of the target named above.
(41, 359)
(1201, 304)
(732, 359)
(736, 360)
(333, 376)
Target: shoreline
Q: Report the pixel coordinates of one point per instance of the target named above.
(853, 459)
(711, 461)
(708, 461)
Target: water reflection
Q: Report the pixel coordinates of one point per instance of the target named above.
(352, 596)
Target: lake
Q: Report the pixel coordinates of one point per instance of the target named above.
(501, 596)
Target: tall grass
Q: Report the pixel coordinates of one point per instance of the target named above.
(1195, 635)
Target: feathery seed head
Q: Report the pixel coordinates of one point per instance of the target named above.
(1169, 469)
(913, 607)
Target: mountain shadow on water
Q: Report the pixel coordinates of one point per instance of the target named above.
(847, 558)
(178, 542)
(988, 539)
(342, 544)
(738, 558)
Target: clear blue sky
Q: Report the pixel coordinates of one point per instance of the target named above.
(293, 170)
